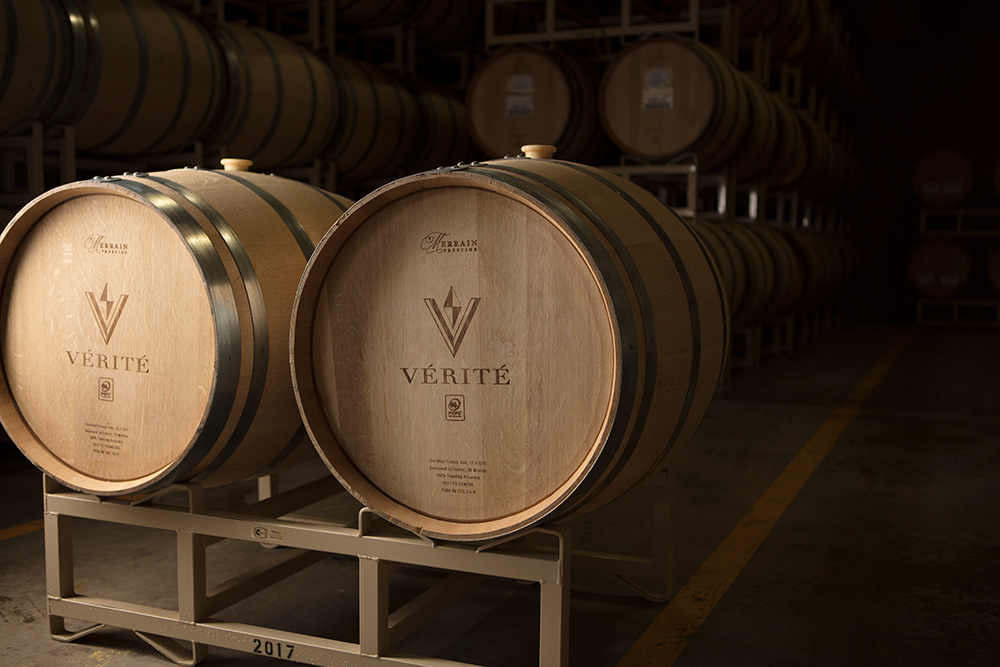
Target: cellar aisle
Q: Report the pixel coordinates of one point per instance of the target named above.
(886, 555)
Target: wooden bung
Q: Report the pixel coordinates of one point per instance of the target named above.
(481, 348)
(144, 326)
(542, 151)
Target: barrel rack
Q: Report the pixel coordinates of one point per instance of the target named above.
(975, 225)
(542, 554)
(621, 25)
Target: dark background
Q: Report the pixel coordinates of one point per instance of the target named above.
(932, 77)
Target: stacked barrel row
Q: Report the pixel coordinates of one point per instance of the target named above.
(952, 262)
(772, 272)
(658, 99)
(806, 33)
(136, 77)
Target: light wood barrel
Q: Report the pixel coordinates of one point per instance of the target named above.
(145, 327)
(942, 178)
(152, 78)
(666, 96)
(524, 95)
(282, 103)
(36, 61)
(444, 130)
(379, 121)
(548, 335)
(939, 268)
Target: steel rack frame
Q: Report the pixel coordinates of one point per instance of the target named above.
(541, 554)
(689, 170)
(35, 148)
(958, 312)
(619, 26)
(967, 222)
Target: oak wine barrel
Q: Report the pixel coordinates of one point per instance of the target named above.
(666, 96)
(789, 154)
(379, 121)
(151, 78)
(942, 178)
(144, 330)
(36, 61)
(760, 273)
(282, 103)
(787, 273)
(939, 268)
(444, 130)
(523, 94)
(548, 335)
(730, 263)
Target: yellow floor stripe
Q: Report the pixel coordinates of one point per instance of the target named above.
(663, 641)
(23, 529)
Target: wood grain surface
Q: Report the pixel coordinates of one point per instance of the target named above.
(153, 79)
(282, 104)
(665, 96)
(144, 327)
(379, 121)
(475, 350)
(521, 96)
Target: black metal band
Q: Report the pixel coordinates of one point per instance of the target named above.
(623, 313)
(258, 318)
(226, 320)
(139, 94)
(185, 82)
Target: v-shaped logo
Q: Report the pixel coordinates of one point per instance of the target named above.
(107, 311)
(453, 320)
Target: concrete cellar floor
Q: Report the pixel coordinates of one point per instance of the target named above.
(887, 555)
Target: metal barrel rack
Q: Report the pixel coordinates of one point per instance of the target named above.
(542, 554)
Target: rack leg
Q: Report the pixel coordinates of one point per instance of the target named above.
(59, 573)
(174, 651)
(191, 599)
(373, 582)
(553, 637)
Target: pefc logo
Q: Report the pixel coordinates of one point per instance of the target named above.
(106, 311)
(452, 318)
